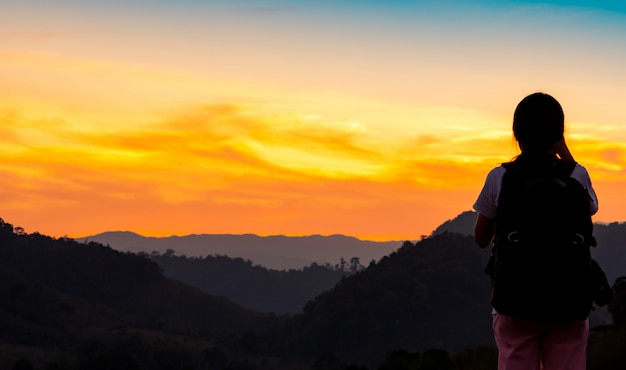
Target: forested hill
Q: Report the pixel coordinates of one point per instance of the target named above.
(254, 286)
(430, 295)
(63, 299)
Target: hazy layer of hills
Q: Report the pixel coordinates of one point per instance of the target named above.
(275, 252)
(70, 305)
(284, 253)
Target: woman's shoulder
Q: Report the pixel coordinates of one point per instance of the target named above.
(580, 171)
(496, 173)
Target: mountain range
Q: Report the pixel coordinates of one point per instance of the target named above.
(276, 252)
(73, 305)
(288, 252)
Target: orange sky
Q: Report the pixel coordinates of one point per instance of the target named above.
(276, 123)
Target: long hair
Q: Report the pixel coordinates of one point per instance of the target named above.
(538, 122)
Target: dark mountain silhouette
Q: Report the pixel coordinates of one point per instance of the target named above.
(274, 252)
(432, 294)
(58, 296)
(461, 224)
(265, 290)
(611, 250)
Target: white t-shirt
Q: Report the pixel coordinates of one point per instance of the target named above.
(487, 201)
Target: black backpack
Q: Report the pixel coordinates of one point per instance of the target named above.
(542, 267)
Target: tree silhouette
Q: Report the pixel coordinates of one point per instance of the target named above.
(355, 265)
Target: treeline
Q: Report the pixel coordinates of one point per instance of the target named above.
(254, 286)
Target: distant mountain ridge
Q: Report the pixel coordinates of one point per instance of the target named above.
(276, 252)
(290, 252)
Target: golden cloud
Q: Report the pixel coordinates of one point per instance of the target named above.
(236, 162)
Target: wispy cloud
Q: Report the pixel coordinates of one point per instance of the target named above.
(235, 160)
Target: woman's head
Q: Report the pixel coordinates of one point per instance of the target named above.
(538, 122)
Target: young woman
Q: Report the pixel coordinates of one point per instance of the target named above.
(527, 344)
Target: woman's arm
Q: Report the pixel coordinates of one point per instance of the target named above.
(484, 230)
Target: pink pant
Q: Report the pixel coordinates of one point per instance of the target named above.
(532, 345)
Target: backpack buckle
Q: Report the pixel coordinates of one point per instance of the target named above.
(513, 237)
(578, 239)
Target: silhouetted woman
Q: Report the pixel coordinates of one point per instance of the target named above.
(526, 343)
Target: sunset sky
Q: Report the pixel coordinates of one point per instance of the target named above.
(376, 119)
